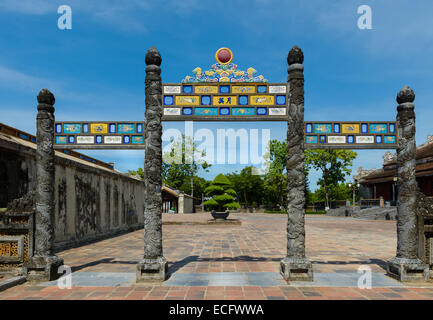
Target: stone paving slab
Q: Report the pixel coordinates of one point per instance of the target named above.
(225, 279)
(9, 281)
(239, 261)
(347, 279)
(98, 279)
(153, 292)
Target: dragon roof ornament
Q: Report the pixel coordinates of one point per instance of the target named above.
(224, 71)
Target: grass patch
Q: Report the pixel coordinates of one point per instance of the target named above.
(275, 212)
(3, 210)
(315, 212)
(285, 212)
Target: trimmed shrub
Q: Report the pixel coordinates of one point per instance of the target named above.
(222, 193)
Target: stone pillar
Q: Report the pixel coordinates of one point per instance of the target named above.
(181, 202)
(407, 266)
(43, 265)
(153, 266)
(295, 266)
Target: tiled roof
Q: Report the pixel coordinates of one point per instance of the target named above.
(424, 166)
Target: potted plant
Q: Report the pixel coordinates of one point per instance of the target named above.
(222, 197)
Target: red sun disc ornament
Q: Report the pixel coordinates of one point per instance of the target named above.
(224, 56)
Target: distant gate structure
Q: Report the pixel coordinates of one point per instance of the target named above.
(224, 93)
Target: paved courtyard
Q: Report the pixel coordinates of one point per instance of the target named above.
(208, 261)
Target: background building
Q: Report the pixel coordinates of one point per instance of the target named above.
(382, 182)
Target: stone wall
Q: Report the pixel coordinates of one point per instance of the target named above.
(91, 202)
(385, 213)
(185, 203)
(376, 213)
(339, 212)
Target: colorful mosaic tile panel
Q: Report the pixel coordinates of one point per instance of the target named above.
(98, 128)
(171, 89)
(187, 111)
(364, 139)
(262, 100)
(224, 100)
(113, 139)
(61, 139)
(262, 111)
(187, 100)
(350, 128)
(224, 111)
(243, 111)
(243, 100)
(85, 139)
(125, 128)
(337, 128)
(243, 89)
(378, 128)
(168, 100)
(206, 89)
(172, 111)
(277, 111)
(390, 139)
(206, 111)
(205, 100)
(311, 139)
(277, 89)
(187, 89)
(72, 128)
(336, 139)
(281, 100)
(322, 128)
(137, 139)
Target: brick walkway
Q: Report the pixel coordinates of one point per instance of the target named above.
(235, 262)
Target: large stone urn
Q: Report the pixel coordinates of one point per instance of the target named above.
(220, 215)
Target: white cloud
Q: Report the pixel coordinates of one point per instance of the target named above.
(399, 27)
(32, 7)
(125, 16)
(17, 80)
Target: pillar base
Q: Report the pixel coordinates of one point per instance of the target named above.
(149, 270)
(407, 270)
(42, 268)
(296, 269)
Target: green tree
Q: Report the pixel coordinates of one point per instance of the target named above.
(276, 175)
(222, 193)
(139, 173)
(200, 184)
(248, 186)
(180, 166)
(339, 192)
(307, 191)
(182, 163)
(335, 165)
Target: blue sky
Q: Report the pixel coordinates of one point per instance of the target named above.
(96, 70)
